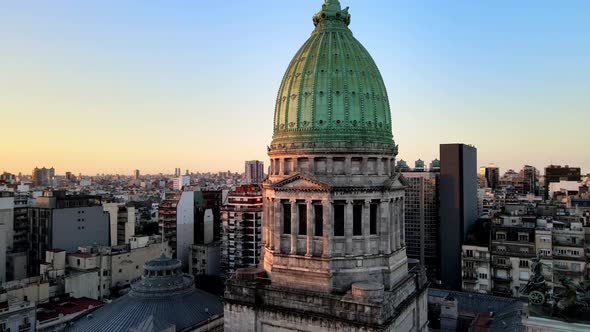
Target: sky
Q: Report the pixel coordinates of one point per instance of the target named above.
(111, 86)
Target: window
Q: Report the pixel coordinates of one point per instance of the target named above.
(483, 276)
(78, 262)
(523, 264)
(501, 261)
(470, 264)
(500, 236)
(302, 209)
(338, 220)
(469, 253)
(357, 219)
(523, 237)
(373, 218)
(319, 220)
(524, 250)
(576, 267)
(483, 287)
(287, 218)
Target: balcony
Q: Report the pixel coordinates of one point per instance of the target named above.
(475, 258)
(505, 266)
(502, 278)
(469, 278)
(502, 291)
(568, 243)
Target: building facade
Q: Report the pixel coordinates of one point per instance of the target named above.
(458, 206)
(333, 247)
(556, 173)
(422, 220)
(122, 222)
(254, 171)
(242, 228)
(58, 221)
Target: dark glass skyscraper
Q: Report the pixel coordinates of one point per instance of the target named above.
(458, 206)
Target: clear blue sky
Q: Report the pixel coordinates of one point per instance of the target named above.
(110, 86)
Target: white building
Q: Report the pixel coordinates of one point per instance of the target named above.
(122, 219)
(181, 181)
(6, 229)
(16, 315)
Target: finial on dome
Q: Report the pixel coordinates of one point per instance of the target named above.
(332, 11)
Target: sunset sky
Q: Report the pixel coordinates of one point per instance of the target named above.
(111, 86)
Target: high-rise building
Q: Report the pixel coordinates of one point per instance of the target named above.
(6, 229)
(59, 221)
(43, 176)
(122, 221)
(556, 173)
(422, 220)
(254, 170)
(490, 175)
(458, 206)
(181, 181)
(530, 180)
(136, 174)
(176, 217)
(242, 228)
(333, 249)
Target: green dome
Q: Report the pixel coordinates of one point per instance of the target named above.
(332, 91)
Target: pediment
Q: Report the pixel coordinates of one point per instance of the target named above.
(300, 181)
(396, 181)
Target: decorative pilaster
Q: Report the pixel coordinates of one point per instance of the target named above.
(348, 234)
(328, 236)
(294, 226)
(310, 223)
(277, 223)
(385, 225)
(367, 226)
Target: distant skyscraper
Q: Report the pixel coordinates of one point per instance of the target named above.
(422, 219)
(556, 173)
(177, 172)
(458, 206)
(254, 171)
(43, 176)
(530, 180)
(136, 174)
(490, 175)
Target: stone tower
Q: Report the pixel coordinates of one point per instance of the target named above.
(333, 256)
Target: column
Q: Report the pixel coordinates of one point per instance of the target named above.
(329, 165)
(281, 166)
(385, 226)
(365, 166)
(327, 238)
(367, 226)
(393, 225)
(269, 223)
(348, 227)
(396, 223)
(278, 225)
(402, 220)
(265, 208)
(294, 226)
(294, 162)
(347, 165)
(310, 224)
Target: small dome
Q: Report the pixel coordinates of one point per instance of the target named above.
(164, 296)
(332, 91)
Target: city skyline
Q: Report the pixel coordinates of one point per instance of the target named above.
(112, 90)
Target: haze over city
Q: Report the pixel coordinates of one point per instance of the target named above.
(107, 87)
